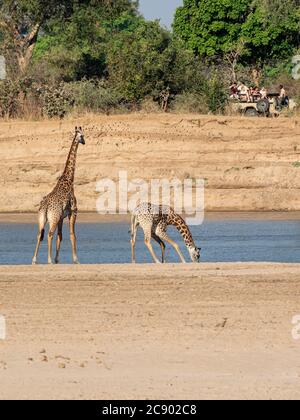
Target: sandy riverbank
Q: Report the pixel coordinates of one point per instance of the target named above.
(194, 331)
(247, 164)
(12, 218)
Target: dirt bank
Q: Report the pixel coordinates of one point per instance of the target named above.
(207, 331)
(12, 218)
(247, 164)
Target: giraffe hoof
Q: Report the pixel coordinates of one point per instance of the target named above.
(33, 262)
(76, 262)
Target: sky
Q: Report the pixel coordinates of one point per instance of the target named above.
(160, 9)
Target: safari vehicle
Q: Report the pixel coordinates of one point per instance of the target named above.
(258, 107)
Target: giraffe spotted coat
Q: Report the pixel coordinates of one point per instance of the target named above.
(154, 220)
(59, 204)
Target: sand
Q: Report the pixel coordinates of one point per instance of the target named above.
(175, 331)
(247, 164)
(29, 218)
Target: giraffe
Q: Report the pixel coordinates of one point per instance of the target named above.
(154, 221)
(59, 204)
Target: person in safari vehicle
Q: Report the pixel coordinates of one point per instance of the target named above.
(283, 97)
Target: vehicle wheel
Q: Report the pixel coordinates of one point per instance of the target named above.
(263, 106)
(251, 112)
(277, 105)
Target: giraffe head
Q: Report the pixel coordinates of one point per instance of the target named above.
(194, 253)
(79, 136)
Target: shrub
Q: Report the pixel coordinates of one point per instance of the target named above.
(215, 95)
(189, 103)
(149, 105)
(9, 94)
(94, 95)
(57, 101)
(18, 98)
(136, 62)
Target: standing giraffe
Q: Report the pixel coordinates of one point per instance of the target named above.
(59, 204)
(154, 220)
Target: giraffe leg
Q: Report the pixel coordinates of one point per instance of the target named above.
(133, 260)
(134, 227)
(58, 240)
(162, 245)
(40, 237)
(149, 246)
(73, 239)
(163, 236)
(51, 233)
(177, 249)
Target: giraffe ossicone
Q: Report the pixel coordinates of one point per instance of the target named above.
(59, 204)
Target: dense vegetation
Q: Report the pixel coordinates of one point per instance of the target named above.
(102, 55)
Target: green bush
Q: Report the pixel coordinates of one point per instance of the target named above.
(190, 103)
(215, 95)
(93, 95)
(9, 93)
(137, 61)
(148, 105)
(57, 101)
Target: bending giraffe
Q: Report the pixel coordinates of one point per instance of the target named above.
(154, 220)
(59, 204)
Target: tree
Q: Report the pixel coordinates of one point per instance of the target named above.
(253, 31)
(76, 48)
(136, 60)
(21, 21)
(210, 27)
(272, 29)
(232, 55)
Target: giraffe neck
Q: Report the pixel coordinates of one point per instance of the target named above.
(69, 172)
(183, 229)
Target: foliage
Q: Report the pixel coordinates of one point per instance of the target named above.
(266, 28)
(78, 49)
(20, 24)
(94, 95)
(188, 102)
(9, 92)
(56, 101)
(215, 93)
(71, 24)
(137, 61)
(102, 55)
(272, 29)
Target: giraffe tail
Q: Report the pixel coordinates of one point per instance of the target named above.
(42, 223)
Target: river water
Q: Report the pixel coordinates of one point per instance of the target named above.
(109, 243)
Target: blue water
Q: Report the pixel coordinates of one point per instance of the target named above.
(221, 241)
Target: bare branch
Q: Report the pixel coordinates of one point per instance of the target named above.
(32, 36)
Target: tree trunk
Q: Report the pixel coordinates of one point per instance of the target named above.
(26, 49)
(256, 75)
(23, 46)
(233, 72)
(24, 57)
